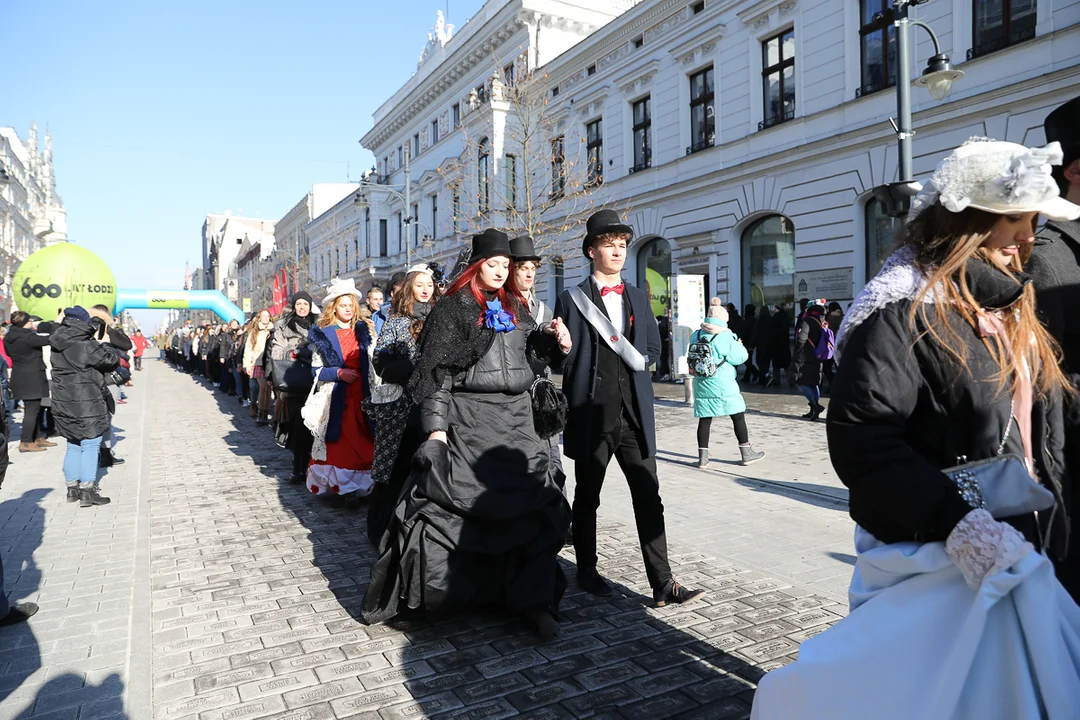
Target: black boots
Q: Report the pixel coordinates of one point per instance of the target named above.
(73, 493)
(91, 496)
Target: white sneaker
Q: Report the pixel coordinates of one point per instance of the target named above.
(246, 403)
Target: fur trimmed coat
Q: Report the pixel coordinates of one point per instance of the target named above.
(326, 361)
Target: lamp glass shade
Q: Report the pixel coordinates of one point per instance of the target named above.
(939, 85)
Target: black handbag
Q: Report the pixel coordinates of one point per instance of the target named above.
(549, 408)
(291, 375)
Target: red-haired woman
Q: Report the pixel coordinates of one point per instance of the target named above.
(482, 518)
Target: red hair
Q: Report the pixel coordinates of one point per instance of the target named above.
(470, 279)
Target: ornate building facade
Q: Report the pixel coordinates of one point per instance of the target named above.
(31, 213)
(743, 138)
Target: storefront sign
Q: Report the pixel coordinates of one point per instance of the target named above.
(246, 307)
(832, 285)
(689, 314)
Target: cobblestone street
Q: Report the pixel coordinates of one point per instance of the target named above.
(212, 588)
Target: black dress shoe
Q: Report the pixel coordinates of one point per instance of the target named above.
(591, 582)
(118, 460)
(675, 593)
(19, 613)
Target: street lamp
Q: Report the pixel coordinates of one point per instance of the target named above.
(938, 78)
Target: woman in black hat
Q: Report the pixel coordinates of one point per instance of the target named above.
(481, 519)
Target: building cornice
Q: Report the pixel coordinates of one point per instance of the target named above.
(699, 43)
(757, 14)
(474, 51)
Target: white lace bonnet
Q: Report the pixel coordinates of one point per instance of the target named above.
(998, 177)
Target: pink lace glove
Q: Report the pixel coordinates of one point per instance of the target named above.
(981, 546)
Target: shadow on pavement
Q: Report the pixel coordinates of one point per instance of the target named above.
(613, 653)
(824, 496)
(22, 526)
(843, 557)
(67, 692)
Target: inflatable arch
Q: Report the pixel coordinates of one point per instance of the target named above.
(64, 275)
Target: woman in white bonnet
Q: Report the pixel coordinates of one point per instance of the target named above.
(955, 610)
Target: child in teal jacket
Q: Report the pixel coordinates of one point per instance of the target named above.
(719, 395)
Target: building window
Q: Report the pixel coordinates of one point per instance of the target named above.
(558, 167)
(434, 131)
(346, 249)
(434, 216)
(642, 135)
(1001, 23)
(702, 114)
(413, 219)
(594, 133)
(878, 39)
(768, 260)
(555, 92)
(400, 230)
(639, 42)
(455, 114)
(511, 181)
(482, 93)
(591, 70)
(367, 230)
(415, 145)
(483, 187)
(510, 75)
(880, 233)
(455, 202)
(654, 274)
(778, 76)
(560, 275)
(400, 156)
(698, 7)
(383, 239)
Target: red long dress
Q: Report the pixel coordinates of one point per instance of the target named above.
(347, 467)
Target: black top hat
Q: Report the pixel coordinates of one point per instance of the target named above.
(522, 249)
(490, 243)
(1063, 126)
(600, 223)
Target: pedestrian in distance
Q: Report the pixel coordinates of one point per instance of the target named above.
(80, 359)
(255, 346)
(763, 343)
(835, 318)
(806, 366)
(373, 302)
(139, 345)
(481, 519)
(29, 383)
(945, 424)
(290, 354)
(608, 388)
(715, 353)
(1054, 267)
(747, 335)
(343, 436)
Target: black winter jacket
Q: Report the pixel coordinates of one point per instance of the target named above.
(902, 410)
(503, 369)
(28, 379)
(78, 386)
(805, 366)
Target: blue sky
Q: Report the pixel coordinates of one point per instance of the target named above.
(163, 112)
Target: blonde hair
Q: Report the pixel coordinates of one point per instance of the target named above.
(328, 316)
(253, 325)
(943, 242)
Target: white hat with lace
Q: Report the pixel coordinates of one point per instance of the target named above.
(998, 177)
(338, 288)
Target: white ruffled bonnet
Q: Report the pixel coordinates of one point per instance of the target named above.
(998, 177)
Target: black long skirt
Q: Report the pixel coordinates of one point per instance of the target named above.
(480, 521)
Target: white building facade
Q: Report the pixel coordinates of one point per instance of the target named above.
(31, 213)
(223, 237)
(744, 137)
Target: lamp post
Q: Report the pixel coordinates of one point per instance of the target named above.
(360, 198)
(937, 78)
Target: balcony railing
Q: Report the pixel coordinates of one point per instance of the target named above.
(873, 87)
(993, 46)
(382, 179)
(645, 164)
(776, 119)
(702, 145)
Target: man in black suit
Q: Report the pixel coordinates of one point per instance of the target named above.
(609, 393)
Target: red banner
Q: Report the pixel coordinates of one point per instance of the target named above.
(276, 305)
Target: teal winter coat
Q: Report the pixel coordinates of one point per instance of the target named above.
(719, 395)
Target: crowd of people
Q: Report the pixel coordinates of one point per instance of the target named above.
(64, 373)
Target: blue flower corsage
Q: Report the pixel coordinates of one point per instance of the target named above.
(498, 319)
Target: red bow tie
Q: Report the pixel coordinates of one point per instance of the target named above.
(614, 289)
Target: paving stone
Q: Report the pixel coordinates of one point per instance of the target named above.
(547, 694)
(491, 710)
(249, 710)
(422, 707)
(199, 704)
(608, 698)
(325, 692)
(510, 663)
(396, 675)
(232, 678)
(671, 705)
(495, 687)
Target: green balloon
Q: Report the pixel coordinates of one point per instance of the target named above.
(61, 276)
(658, 291)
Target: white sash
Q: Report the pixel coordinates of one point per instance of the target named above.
(614, 339)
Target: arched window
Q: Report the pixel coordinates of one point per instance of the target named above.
(654, 273)
(768, 262)
(483, 188)
(880, 236)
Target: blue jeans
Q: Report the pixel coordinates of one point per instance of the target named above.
(81, 462)
(811, 392)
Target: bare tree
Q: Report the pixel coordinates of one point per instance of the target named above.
(524, 168)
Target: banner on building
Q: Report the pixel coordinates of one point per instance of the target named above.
(689, 313)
